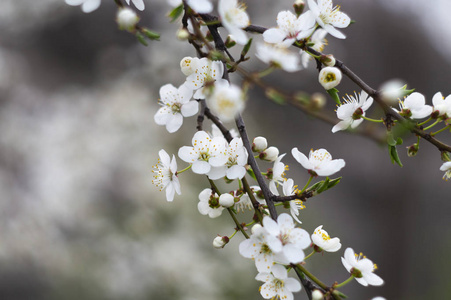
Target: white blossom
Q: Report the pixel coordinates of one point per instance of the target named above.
(234, 18)
(319, 162)
(139, 4)
(165, 175)
(188, 65)
(290, 28)
(226, 101)
(351, 111)
(206, 153)
(330, 77)
(278, 56)
(285, 238)
(442, 106)
(277, 284)
(205, 71)
(322, 239)
(318, 38)
(209, 204)
(415, 107)
(361, 267)
(175, 104)
(215, 131)
(329, 17)
(446, 167)
(234, 168)
(278, 175)
(87, 6)
(295, 205)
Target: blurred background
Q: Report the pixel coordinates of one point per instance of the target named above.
(80, 219)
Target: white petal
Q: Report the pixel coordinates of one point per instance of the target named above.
(334, 32)
(267, 291)
(170, 192)
(190, 109)
(236, 172)
(301, 158)
(373, 279)
(342, 125)
(203, 208)
(294, 254)
(279, 271)
(90, 6)
(164, 157)
(274, 35)
(292, 285)
(201, 6)
(346, 264)
(331, 167)
(188, 154)
(264, 262)
(74, 2)
(174, 122)
(200, 167)
(214, 213)
(217, 172)
(340, 20)
(139, 4)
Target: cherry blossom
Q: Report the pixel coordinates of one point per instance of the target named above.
(206, 153)
(175, 104)
(278, 175)
(329, 17)
(290, 28)
(318, 38)
(278, 56)
(277, 284)
(226, 101)
(234, 18)
(442, 106)
(361, 268)
(205, 71)
(295, 205)
(285, 238)
(319, 162)
(209, 204)
(351, 111)
(446, 167)
(322, 239)
(415, 107)
(165, 175)
(330, 77)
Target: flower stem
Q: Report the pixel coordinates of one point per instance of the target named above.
(187, 168)
(422, 123)
(266, 71)
(438, 131)
(433, 124)
(230, 237)
(345, 282)
(312, 277)
(313, 252)
(307, 184)
(238, 225)
(372, 120)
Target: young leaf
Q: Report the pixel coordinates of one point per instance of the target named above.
(176, 13)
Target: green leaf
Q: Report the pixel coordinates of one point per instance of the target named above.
(251, 173)
(141, 38)
(394, 155)
(246, 48)
(152, 35)
(399, 141)
(323, 187)
(275, 96)
(334, 94)
(176, 13)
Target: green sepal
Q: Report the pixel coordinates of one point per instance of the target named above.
(251, 173)
(141, 38)
(334, 94)
(324, 185)
(152, 35)
(394, 155)
(176, 13)
(246, 48)
(275, 96)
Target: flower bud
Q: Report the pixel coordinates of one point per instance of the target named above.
(226, 200)
(412, 150)
(259, 144)
(329, 77)
(298, 6)
(328, 60)
(317, 295)
(183, 34)
(127, 19)
(317, 101)
(220, 241)
(255, 227)
(270, 154)
(230, 42)
(187, 65)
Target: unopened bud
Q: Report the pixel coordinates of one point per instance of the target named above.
(259, 144)
(187, 65)
(298, 6)
(330, 77)
(183, 34)
(412, 150)
(127, 19)
(226, 200)
(270, 154)
(230, 42)
(255, 227)
(220, 241)
(445, 156)
(317, 101)
(317, 295)
(328, 60)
